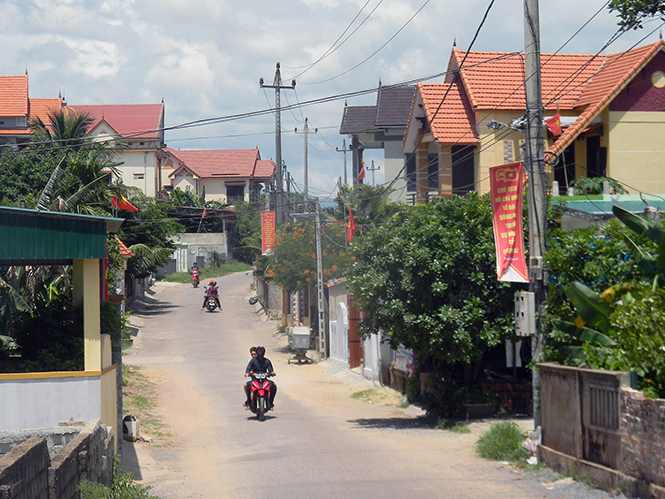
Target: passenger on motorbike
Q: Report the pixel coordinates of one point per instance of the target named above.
(252, 353)
(211, 292)
(260, 364)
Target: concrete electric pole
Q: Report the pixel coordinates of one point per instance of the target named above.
(344, 150)
(279, 188)
(534, 152)
(306, 188)
(319, 285)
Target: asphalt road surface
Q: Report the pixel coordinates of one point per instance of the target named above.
(318, 442)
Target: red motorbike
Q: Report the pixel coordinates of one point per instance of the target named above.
(195, 278)
(260, 401)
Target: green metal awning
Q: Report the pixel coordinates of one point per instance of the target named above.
(32, 237)
(600, 206)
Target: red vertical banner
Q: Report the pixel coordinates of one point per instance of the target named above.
(267, 231)
(506, 190)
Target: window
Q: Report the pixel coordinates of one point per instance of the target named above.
(411, 172)
(235, 193)
(433, 172)
(463, 166)
(139, 176)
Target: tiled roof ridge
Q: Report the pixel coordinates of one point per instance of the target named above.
(595, 109)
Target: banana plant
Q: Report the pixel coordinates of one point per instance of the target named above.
(652, 266)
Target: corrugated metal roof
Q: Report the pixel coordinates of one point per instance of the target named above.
(31, 236)
(601, 206)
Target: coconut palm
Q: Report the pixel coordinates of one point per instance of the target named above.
(66, 127)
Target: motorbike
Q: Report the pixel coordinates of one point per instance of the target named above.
(260, 401)
(195, 279)
(211, 304)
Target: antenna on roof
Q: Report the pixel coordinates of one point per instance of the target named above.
(379, 81)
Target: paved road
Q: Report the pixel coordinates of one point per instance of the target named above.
(319, 442)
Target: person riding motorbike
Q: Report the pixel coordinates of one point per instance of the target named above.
(260, 364)
(211, 292)
(194, 271)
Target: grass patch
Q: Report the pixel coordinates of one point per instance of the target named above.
(454, 426)
(228, 268)
(138, 392)
(384, 396)
(503, 442)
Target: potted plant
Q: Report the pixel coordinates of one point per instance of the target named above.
(479, 402)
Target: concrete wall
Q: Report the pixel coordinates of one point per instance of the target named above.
(205, 244)
(47, 398)
(270, 297)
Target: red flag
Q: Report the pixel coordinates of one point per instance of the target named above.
(352, 226)
(122, 203)
(205, 210)
(361, 175)
(554, 124)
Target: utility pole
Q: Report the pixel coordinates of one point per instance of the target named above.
(344, 150)
(534, 152)
(319, 284)
(279, 188)
(373, 169)
(305, 132)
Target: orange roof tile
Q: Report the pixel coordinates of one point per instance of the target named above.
(39, 108)
(14, 95)
(231, 163)
(124, 250)
(455, 121)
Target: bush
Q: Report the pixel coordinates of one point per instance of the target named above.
(123, 486)
(503, 442)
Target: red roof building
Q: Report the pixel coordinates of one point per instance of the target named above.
(612, 110)
(17, 109)
(224, 175)
(139, 130)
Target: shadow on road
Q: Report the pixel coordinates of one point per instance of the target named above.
(394, 423)
(148, 306)
(129, 460)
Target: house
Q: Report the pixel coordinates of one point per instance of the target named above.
(43, 399)
(17, 109)
(138, 131)
(227, 176)
(612, 110)
(381, 127)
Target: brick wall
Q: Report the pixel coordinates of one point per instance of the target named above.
(643, 437)
(24, 471)
(56, 438)
(512, 395)
(89, 455)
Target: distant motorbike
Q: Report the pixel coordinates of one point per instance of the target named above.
(260, 401)
(195, 279)
(211, 304)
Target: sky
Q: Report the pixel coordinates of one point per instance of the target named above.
(204, 58)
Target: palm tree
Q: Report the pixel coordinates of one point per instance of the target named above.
(66, 127)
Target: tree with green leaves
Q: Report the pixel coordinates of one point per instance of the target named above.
(65, 127)
(427, 279)
(633, 13)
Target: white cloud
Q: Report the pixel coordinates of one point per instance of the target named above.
(95, 58)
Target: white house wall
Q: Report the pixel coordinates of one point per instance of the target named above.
(136, 164)
(44, 402)
(395, 169)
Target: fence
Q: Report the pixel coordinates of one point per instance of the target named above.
(595, 425)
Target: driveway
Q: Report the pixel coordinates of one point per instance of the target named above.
(318, 442)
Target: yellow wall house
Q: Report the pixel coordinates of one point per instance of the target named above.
(612, 110)
(43, 399)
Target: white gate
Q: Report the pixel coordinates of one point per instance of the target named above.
(339, 336)
(372, 346)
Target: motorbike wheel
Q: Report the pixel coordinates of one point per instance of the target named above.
(261, 408)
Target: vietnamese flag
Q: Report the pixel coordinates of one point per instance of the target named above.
(361, 175)
(352, 227)
(554, 124)
(122, 203)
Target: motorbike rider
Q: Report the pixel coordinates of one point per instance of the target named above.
(252, 353)
(194, 271)
(211, 292)
(260, 364)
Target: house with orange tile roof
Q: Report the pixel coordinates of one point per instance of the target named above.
(17, 109)
(139, 131)
(612, 110)
(227, 176)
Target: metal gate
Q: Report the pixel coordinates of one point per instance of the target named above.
(339, 336)
(355, 345)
